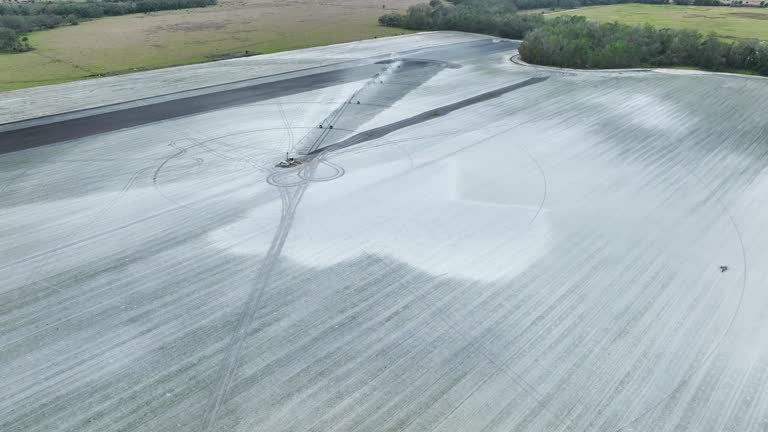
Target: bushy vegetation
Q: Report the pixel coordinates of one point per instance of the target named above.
(19, 18)
(494, 17)
(9, 40)
(573, 41)
(699, 2)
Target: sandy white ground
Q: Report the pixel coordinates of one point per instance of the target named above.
(548, 260)
(41, 101)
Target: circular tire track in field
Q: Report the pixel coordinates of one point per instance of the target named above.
(239, 163)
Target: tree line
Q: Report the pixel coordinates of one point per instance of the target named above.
(497, 6)
(19, 18)
(573, 41)
(495, 17)
(569, 4)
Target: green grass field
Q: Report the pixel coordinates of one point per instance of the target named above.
(727, 22)
(149, 41)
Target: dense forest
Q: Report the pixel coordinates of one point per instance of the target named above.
(476, 16)
(579, 43)
(560, 4)
(572, 41)
(19, 18)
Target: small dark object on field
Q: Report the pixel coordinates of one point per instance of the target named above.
(723, 269)
(289, 162)
(320, 126)
(358, 102)
(330, 127)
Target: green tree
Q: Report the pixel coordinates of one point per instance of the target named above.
(9, 40)
(391, 20)
(419, 17)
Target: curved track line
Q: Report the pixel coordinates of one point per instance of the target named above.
(290, 201)
(728, 328)
(544, 179)
(339, 172)
(315, 153)
(91, 219)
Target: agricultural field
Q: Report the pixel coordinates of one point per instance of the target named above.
(414, 235)
(727, 22)
(147, 41)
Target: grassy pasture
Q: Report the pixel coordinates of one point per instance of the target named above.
(727, 22)
(147, 41)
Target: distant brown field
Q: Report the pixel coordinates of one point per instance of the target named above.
(145, 41)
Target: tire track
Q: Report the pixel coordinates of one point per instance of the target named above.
(340, 171)
(290, 195)
(13, 180)
(66, 243)
(708, 357)
(235, 347)
(288, 128)
(387, 129)
(290, 201)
